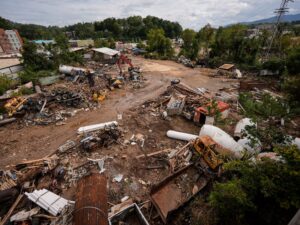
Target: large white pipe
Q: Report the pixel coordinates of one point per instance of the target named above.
(181, 136)
(251, 148)
(69, 69)
(296, 142)
(99, 126)
(241, 126)
(223, 139)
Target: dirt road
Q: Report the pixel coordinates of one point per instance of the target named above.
(19, 143)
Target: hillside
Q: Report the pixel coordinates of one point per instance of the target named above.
(285, 18)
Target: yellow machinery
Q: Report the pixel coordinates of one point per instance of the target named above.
(99, 97)
(14, 104)
(205, 147)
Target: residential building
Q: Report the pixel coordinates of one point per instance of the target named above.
(105, 55)
(10, 41)
(14, 39)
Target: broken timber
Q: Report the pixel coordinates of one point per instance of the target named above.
(11, 210)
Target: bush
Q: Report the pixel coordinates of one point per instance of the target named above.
(274, 64)
(5, 84)
(265, 192)
(293, 61)
(30, 75)
(215, 62)
(230, 201)
(291, 87)
(23, 91)
(159, 44)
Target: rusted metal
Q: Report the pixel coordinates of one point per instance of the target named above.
(91, 201)
(206, 146)
(176, 190)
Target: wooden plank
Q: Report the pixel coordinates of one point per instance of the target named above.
(153, 153)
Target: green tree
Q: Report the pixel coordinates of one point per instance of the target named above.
(232, 44)
(206, 37)
(159, 44)
(264, 192)
(35, 60)
(191, 44)
(292, 77)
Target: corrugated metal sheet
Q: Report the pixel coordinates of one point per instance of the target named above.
(106, 51)
(226, 66)
(75, 49)
(49, 201)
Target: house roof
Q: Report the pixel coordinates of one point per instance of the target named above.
(75, 49)
(106, 51)
(226, 66)
(44, 41)
(4, 63)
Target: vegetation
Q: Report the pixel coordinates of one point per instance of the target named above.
(5, 84)
(102, 42)
(191, 45)
(41, 62)
(159, 46)
(133, 28)
(292, 77)
(136, 27)
(264, 192)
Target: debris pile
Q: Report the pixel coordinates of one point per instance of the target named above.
(185, 61)
(102, 138)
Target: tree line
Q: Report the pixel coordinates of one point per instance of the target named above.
(131, 28)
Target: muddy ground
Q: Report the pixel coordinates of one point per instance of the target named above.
(20, 142)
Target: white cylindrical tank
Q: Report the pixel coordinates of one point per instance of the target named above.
(99, 126)
(246, 143)
(241, 126)
(68, 69)
(181, 136)
(223, 139)
(296, 142)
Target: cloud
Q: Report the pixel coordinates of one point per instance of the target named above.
(190, 14)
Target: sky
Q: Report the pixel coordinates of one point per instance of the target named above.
(189, 13)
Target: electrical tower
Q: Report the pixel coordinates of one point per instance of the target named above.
(280, 13)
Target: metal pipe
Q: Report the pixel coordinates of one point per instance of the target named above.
(181, 136)
(91, 206)
(99, 126)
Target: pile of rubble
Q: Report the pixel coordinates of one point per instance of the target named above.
(185, 61)
(55, 101)
(31, 192)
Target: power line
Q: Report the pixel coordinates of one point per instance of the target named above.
(280, 13)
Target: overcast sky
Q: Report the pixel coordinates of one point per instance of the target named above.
(189, 13)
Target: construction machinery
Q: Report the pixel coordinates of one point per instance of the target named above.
(14, 104)
(206, 147)
(133, 71)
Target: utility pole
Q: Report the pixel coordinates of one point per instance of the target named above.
(280, 13)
